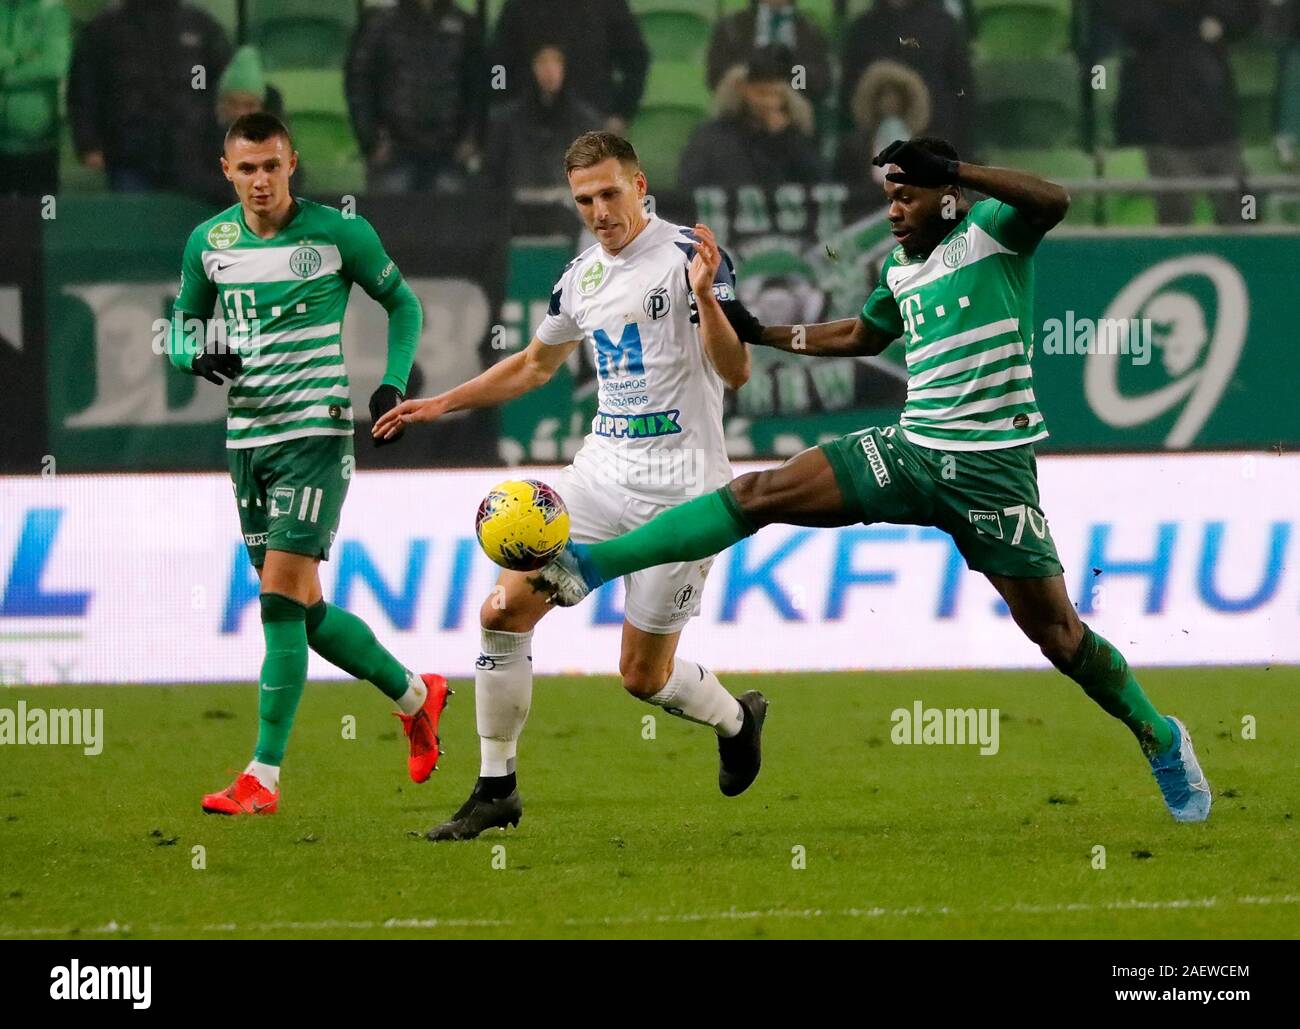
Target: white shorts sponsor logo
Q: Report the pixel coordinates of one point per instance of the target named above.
(877, 462)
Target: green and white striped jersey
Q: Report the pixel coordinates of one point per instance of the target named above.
(282, 301)
(965, 313)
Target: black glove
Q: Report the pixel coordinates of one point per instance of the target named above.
(211, 366)
(382, 400)
(748, 328)
(918, 167)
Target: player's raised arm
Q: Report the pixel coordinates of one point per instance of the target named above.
(1040, 203)
(513, 377)
(723, 347)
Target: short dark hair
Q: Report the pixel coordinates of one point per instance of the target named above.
(258, 127)
(936, 146)
(593, 147)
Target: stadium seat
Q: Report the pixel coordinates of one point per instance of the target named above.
(1280, 206)
(1255, 68)
(1028, 103)
(226, 14)
(1021, 28)
(316, 110)
(1058, 165)
(329, 153)
(676, 35)
(700, 8)
(317, 90)
(660, 135)
(1288, 115)
(677, 84)
(1126, 208)
(823, 13)
(82, 11)
(301, 33)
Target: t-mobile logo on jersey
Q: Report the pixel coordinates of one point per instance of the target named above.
(910, 308)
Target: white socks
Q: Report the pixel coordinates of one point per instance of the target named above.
(413, 699)
(503, 693)
(267, 775)
(694, 693)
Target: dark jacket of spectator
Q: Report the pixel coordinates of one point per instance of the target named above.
(607, 55)
(416, 77)
(527, 138)
(736, 36)
(1175, 84)
(925, 37)
(735, 149)
(131, 94)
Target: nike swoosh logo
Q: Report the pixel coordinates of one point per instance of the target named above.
(259, 808)
(272, 689)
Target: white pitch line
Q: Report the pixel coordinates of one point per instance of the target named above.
(731, 915)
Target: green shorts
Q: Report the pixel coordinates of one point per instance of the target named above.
(986, 500)
(290, 494)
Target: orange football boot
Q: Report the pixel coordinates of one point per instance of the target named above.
(247, 796)
(421, 729)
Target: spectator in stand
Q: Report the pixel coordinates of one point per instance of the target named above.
(1177, 97)
(891, 102)
(34, 45)
(608, 57)
(924, 36)
(763, 134)
(771, 23)
(135, 108)
(243, 89)
(528, 136)
(417, 90)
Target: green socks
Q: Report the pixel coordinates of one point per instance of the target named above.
(284, 673)
(697, 529)
(1106, 677)
(343, 639)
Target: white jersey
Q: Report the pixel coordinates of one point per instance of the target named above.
(657, 434)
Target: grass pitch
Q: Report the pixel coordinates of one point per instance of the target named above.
(627, 836)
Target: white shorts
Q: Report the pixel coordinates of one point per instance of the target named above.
(659, 600)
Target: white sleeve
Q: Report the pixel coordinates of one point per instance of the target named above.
(559, 325)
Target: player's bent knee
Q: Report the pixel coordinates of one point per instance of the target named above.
(496, 617)
(1059, 641)
(643, 679)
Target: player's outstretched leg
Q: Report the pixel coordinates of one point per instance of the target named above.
(284, 674)
(503, 694)
(346, 641)
(1042, 608)
(803, 491)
